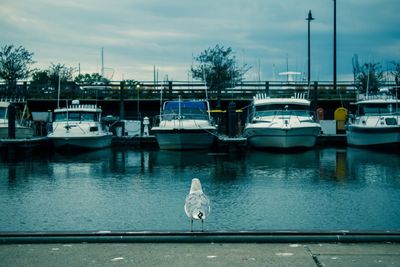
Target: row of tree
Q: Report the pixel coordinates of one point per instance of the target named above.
(216, 66)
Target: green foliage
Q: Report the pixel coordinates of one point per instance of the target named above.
(14, 63)
(219, 68)
(131, 84)
(370, 78)
(91, 79)
(40, 77)
(50, 76)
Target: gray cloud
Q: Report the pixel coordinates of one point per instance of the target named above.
(137, 34)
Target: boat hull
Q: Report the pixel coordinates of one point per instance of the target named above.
(301, 137)
(182, 139)
(371, 136)
(83, 142)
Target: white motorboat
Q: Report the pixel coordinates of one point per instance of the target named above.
(79, 126)
(185, 125)
(377, 122)
(22, 129)
(281, 123)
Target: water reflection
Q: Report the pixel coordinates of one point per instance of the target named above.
(372, 166)
(131, 190)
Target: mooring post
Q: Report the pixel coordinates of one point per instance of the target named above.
(170, 90)
(121, 102)
(232, 120)
(25, 90)
(315, 94)
(267, 88)
(11, 121)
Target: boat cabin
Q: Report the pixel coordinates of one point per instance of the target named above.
(77, 112)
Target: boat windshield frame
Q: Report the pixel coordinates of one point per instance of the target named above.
(76, 116)
(189, 110)
(377, 109)
(282, 109)
(298, 113)
(3, 113)
(185, 113)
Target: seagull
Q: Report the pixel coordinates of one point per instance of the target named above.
(197, 205)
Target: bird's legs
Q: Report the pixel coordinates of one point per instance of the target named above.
(202, 225)
(191, 225)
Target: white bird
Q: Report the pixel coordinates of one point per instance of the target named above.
(197, 205)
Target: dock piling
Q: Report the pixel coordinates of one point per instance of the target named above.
(11, 121)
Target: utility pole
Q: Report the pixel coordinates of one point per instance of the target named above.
(334, 47)
(309, 19)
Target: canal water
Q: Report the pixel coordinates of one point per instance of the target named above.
(135, 190)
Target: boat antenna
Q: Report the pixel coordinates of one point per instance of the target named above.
(156, 86)
(368, 79)
(102, 62)
(179, 107)
(205, 83)
(59, 88)
(206, 90)
(66, 105)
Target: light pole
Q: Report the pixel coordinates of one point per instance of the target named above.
(138, 101)
(334, 46)
(309, 19)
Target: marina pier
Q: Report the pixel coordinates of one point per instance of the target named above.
(123, 102)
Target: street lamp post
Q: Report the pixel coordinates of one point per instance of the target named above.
(138, 101)
(309, 19)
(334, 46)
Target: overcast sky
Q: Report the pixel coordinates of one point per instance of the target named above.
(138, 34)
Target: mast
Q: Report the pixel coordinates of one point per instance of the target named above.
(102, 62)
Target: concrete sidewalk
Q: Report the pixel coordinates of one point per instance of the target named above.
(200, 254)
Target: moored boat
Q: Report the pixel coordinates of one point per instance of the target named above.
(281, 123)
(185, 125)
(376, 122)
(79, 126)
(22, 127)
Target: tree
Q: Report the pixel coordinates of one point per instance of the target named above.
(60, 72)
(91, 79)
(219, 68)
(51, 75)
(370, 78)
(47, 80)
(14, 65)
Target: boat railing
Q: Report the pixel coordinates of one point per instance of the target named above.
(261, 116)
(381, 96)
(180, 117)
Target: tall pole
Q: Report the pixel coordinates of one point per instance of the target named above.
(102, 62)
(334, 46)
(309, 19)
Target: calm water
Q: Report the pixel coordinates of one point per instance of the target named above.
(117, 189)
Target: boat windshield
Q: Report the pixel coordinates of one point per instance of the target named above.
(190, 110)
(377, 108)
(282, 109)
(76, 116)
(3, 113)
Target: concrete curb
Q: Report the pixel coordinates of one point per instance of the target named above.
(200, 237)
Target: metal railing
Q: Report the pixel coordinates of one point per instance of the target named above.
(187, 90)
